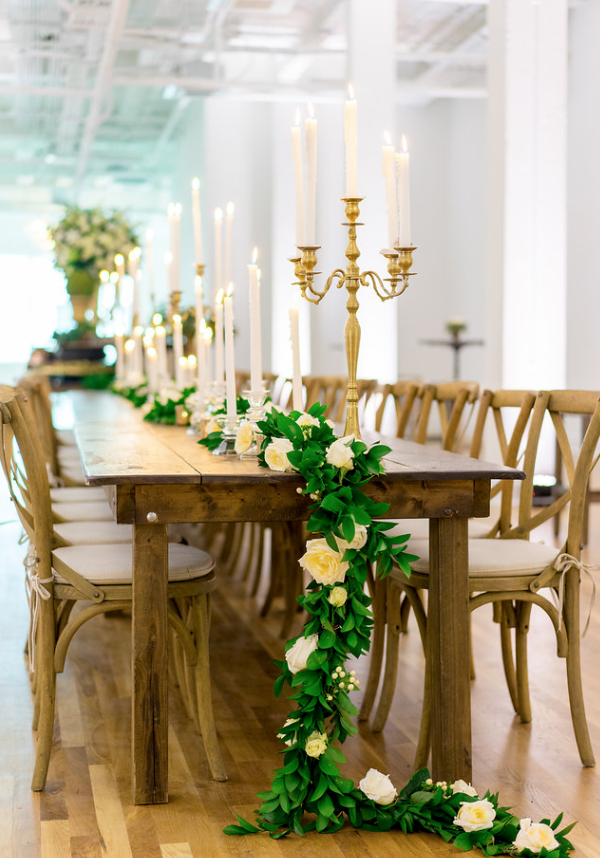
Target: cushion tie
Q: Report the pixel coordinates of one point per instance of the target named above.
(35, 591)
(562, 564)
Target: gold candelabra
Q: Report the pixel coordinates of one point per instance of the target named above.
(398, 267)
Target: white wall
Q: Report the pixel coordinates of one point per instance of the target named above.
(583, 288)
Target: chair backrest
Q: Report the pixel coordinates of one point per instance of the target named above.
(500, 431)
(24, 466)
(455, 402)
(407, 398)
(551, 409)
(331, 390)
(37, 387)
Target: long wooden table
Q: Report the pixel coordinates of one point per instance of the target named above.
(159, 475)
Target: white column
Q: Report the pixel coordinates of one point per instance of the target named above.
(526, 283)
(372, 72)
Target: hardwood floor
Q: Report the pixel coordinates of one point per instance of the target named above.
(86, 812)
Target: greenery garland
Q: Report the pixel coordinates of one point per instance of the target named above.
(309, 793)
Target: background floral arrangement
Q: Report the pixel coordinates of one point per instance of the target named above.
(309, 793)
(88, 239)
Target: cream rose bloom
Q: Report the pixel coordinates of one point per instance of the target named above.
(337, 597)
(378, 787)
(323, 563)
(213, 426)
(316, 744)
(297, 655)
(534, 836)
(359, 540)
(276, 454)
(463, 787)
(307, 420)
(340, 455)
(475, 815)
(244, 437)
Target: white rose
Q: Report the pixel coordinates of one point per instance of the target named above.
(323, 563)
(168, 393)
(213, 426)
(307, 420)
(463, 787)
(337, 597)
(534, 836)
(359, 540)
(316, 744)
(244, 437)
(340, 455)
(298, 654)
(330, 423)
(378, 787)
(276, 454)
(475, 815)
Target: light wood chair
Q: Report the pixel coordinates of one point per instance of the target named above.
(98, 577)
(500, 429)
(511, 571)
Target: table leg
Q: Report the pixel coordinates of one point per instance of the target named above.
(448, 643)
(149, 701)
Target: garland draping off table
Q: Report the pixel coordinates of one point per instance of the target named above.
(158, 475)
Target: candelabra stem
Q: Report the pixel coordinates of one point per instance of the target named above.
(352, 329)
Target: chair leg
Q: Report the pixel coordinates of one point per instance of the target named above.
(258, 558)
(200, 615)
(390, 671)
(377, 648)
(506, 626)
(521, 636)
(574, 683)
(45, 696)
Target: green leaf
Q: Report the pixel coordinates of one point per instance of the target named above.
(316, 659)
(327, 639)
(328, 767)
(331, 542)
(326, 806)
(348, 528)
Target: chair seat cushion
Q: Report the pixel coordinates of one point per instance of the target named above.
(73, 474)
(76, 494)
(95, 511)
(65, 436)
(495, 558)
(93, 532)
(111, 564)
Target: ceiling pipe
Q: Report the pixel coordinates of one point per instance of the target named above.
(114, 30)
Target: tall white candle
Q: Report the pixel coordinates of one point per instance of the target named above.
(120, 265)
(129, 362)
(255, 325)
(350, 139)
(178, 351)
(230, 359)
(192, 370)
(208, 338)
(149, 266)
(388, 162)
(403, 160)
(160, 341)
(174, 214)
(296, 374)
(298, 179)
(138, 369)
(219, 373)
(228, 241)
(199, 311)
(133, 261)
(201, 377)
(137, 294)
(218, 284)
(197, 219)
(168, 258)
(310, 210)
(151, 369)
(120, 365)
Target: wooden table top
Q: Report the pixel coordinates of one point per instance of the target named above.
(118, 448)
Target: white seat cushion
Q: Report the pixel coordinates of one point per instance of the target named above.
(76, 494)
(495, 557)
(65, 436)
(93, 532)
(95, 511)
(69, 455)
(111, 564)
(418, 528)
(72, 473)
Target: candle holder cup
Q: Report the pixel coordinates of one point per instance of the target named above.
(398, 267)
(227, 445)
(253, 416)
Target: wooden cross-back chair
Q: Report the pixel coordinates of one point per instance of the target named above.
(99, 577)
(502, 420)
(455, 401)
(511, 571)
